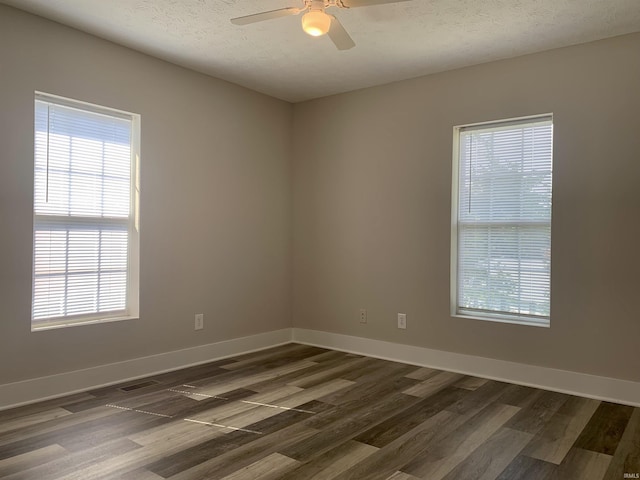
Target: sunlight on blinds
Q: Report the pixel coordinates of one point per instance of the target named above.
(504, 219)
(82, 211)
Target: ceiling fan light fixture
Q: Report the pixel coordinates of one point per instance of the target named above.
(316, 23)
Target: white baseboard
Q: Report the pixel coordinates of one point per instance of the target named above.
(44, 388)
(585, 385)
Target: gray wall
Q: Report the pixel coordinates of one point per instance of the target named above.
(372, 197)
(215, 210)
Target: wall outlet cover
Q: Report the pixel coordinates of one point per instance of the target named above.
(199, 323)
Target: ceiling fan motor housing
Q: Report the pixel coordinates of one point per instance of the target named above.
(315, 5)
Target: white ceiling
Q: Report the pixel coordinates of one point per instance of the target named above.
(393, 42)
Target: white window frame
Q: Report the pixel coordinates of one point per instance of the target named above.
(529, 320)
(131, 310)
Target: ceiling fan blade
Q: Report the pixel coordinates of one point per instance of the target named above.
(259, 17)
(368, 3)
(339, 35)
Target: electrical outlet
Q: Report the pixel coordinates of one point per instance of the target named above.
(402, 320)
(199, 321)
(363, 315)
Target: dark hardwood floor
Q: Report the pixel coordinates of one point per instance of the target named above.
(300, 412)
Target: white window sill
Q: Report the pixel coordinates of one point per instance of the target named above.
(506, 319)
(82, 322)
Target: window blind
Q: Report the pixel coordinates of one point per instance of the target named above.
(504, 220)
(82, 213)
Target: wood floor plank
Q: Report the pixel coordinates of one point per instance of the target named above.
(272, 359)
(433, 384)
(519, 395)
(422, 373)
(193, 373)
(232, 379)
(193, 409)
(402, 450)
(401, 476)
(527, 468)
(228, 462)
(229, 409)
(54, 424)
(492, 457)
(161, 401)
(470, 383)
(373, 369)
(293, 376)
(337, 371)
(33, 419)
(176, 432)
(38, 436)
(476, 400)
(131, 460)
(316, 392)
(188, 458)
(29, 460)
(583, 465)
(244, 381)
(332, 463)
(200, 374)
(388, 430)
(459, 444)
(534, 417)
(627, 456)
(375, 388)
(349, 405)
(254, 358)
(254, 412)
(68, 466)
(140, 474)
(115, 395)
(182, 405)
(103, 430)
(332, 355)
(35, 408)
(604, 431)
(347, 427)
(555, 440)
(268, 468)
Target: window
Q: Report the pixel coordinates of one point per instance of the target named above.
(85, 266)
(501, 241)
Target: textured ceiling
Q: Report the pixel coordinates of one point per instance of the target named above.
(393, 42)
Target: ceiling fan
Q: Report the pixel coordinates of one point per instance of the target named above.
(315, 21)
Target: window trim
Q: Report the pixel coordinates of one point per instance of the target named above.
(497, 317)
(132, 308)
